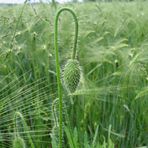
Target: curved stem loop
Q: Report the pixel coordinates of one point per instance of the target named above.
(76, 29)
(26, 128)
(58, 65)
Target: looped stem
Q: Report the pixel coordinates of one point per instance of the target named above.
(76, 29)
(26, 128)
(58, 65)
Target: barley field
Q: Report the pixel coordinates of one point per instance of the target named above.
(103, 97)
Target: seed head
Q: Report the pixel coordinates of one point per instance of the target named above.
(71, 75)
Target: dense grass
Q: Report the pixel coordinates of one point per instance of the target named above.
(110, 107)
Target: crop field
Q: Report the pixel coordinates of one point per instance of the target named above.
(101, 97)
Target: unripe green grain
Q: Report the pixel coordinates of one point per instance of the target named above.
(71, 75)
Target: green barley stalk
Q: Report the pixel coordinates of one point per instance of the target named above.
(72, 65)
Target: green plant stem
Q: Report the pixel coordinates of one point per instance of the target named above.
(25, 127)
(58, 65)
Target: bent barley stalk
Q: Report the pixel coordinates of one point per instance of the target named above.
(18, 142)
(71, 79)
(55, 128)
(26, 128)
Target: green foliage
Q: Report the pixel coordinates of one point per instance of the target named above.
(109, 105)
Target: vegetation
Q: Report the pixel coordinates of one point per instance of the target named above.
(108, 107)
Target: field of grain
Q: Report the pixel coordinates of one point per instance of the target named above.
(108, 109)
